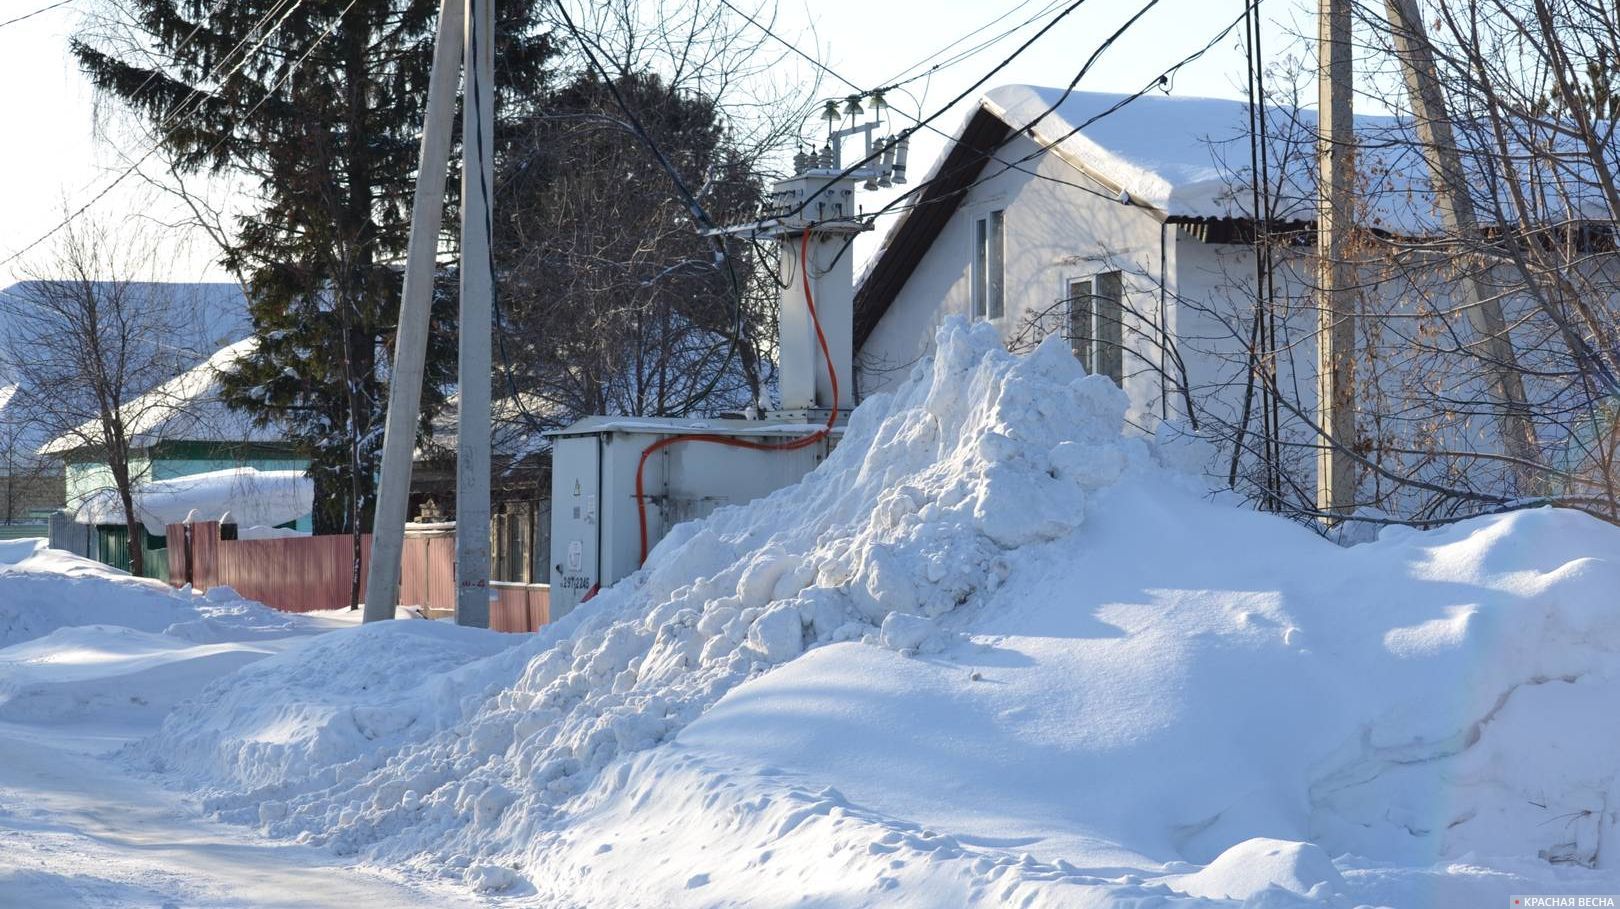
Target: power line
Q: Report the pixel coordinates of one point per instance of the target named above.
(181, 111)
(893, 205)
(897, 85)
(1044, 148)
(900, 79)
(893, 85)
(908, 131)
(36, 12)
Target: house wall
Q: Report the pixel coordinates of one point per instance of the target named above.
(1406, 373)
(1061, 226)
(83, 476)
(26, 494)
(1213, 308)
(1056, 222)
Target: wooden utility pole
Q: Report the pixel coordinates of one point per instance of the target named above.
(1458, 218)
(415, 309)
(1336, 304)
(477, 298)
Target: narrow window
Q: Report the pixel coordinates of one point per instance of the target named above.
(995, 275)
(988, 276)
(1109, 318)
(981, 250)
(1080, 336)
(1096, 324)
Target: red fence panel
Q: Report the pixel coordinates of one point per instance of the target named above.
(301, 574)
(519, 607)
(205, 555)
(295, 574)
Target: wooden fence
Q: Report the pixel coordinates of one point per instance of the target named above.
(301, 574)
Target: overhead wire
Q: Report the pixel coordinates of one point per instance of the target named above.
(901, 79)
(180, 111)
(921, 121)
(42, 10)
(988, 155)
(924, 121)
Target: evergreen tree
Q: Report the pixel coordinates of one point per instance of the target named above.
(320, 103)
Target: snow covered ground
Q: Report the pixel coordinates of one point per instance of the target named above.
(994, 652)
(97, 659)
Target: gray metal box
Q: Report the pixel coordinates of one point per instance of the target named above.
(595, 529)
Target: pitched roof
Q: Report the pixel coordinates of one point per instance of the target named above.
(186, 408)
(211, 314)
(1180, 159)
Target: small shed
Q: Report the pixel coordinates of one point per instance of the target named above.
(182, 437)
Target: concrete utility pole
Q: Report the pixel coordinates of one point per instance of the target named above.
(1458, 218)
(1336, 307)
(477, 290)
(410, 345)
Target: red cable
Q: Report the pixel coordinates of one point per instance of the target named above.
(790, 445)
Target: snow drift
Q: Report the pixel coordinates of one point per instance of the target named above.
(253, 498)
(43, 589)
(993, 651)
(81, 642)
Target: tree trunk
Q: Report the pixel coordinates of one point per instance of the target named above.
(137, 530)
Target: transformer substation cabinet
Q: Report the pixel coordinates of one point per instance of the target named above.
(601, 525)
(595, 514)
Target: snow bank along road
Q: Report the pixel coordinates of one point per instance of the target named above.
(995, 651)
(96, 660)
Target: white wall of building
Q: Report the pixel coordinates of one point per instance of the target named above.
(1062, 225)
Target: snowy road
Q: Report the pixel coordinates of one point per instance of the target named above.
(77, 830)
(89, 662)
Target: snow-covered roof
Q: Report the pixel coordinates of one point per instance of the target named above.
(187, 408)
(210, 314)
(1177, 158)
(1188, 157)
(251, 497)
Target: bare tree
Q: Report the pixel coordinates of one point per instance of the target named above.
(88, 338)
(615, 301)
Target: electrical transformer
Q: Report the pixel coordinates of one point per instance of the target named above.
(596, 535)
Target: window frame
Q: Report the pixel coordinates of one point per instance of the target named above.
(1103, 349)
(987, 266)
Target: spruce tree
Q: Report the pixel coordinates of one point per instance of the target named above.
(319, 104)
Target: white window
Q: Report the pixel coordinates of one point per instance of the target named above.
(988, 274)
(1096, 314)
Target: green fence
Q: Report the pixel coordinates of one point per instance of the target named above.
(112, 548)
(23, 531)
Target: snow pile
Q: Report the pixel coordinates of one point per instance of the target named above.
(252, 498)
(43, 589)
(82, 642)
(992, 652)
(909, 519)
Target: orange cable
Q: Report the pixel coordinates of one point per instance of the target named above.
(732, 442)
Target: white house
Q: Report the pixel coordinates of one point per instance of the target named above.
(1099, 222)
(1123, 224)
